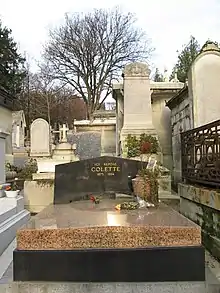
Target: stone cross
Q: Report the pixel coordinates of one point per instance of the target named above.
(64, 130)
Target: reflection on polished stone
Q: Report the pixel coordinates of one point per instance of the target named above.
(116, 219)
(86, 225)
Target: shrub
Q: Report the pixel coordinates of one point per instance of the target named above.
(29, 168)
(146, 144)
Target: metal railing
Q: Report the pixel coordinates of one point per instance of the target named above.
(200, 150)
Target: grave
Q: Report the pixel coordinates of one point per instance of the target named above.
(40, 138)
(39, 191)
(77, 241)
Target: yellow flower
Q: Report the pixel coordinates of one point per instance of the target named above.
(118, 207)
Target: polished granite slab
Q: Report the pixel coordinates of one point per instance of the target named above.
(151, 264)
(81, 225)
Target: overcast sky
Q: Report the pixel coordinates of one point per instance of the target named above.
(169, 23)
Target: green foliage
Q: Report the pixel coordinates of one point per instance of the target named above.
(158, 77)
(11, 168)
(29, 168)
(185, 59)
(135, 145)
(149, 174)
(11, 63)
(14, 186)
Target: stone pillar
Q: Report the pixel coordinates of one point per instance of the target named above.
(3, 136)
(137, 101)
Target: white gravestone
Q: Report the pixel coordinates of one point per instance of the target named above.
(40, 138)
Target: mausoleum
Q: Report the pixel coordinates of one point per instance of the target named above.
(141, 108)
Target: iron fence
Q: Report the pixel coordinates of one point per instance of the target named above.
(200, 149)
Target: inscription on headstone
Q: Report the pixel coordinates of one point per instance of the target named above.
(105, 169)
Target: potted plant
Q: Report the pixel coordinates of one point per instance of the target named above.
(3, 188)
(12, 190)
(146, 185)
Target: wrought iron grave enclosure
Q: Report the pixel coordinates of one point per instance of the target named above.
(200, 149)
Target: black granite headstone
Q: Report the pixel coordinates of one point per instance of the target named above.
(97, 176)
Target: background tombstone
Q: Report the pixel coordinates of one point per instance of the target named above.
(88, 144)
(40, 138)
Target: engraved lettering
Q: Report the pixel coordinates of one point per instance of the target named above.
(109, 169)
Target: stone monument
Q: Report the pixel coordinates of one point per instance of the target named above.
(40, 138)
(39, 191)
(203, 85)
(137, 102)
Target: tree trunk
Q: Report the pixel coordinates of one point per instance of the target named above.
(89, 112)
(48, 111)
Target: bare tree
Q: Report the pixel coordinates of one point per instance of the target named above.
(44, 91)
(89, 51)
(42, 96)
(24, 98)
